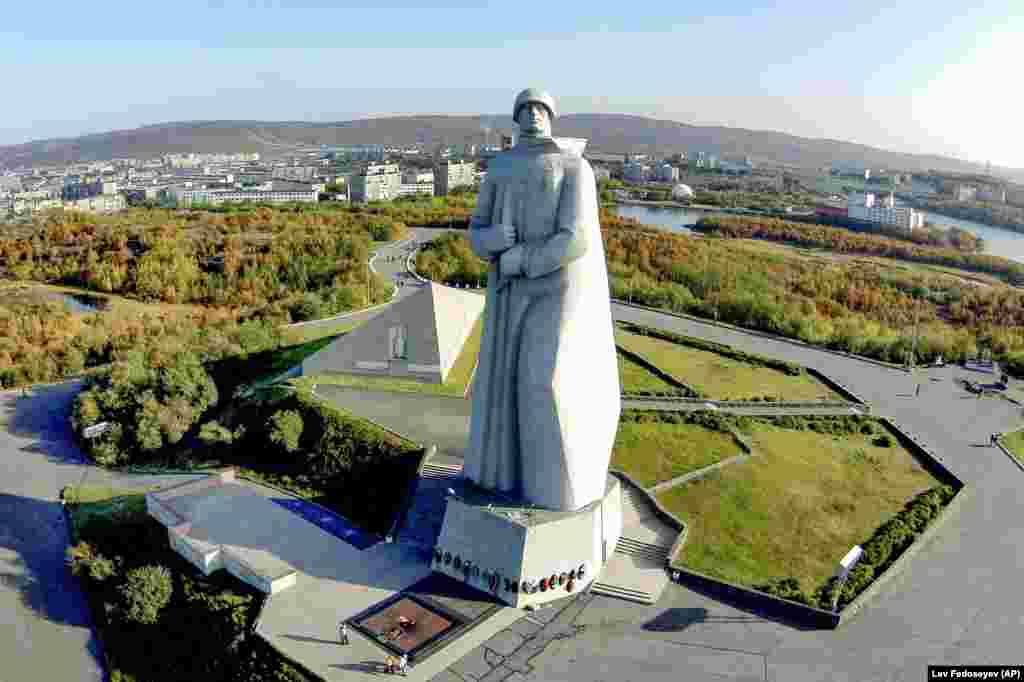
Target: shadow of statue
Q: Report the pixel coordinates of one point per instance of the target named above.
(312, 640)
(370, 667)
(675, 619)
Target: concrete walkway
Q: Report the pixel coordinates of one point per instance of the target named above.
(699, 473)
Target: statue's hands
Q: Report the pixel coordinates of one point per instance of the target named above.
(497, 238)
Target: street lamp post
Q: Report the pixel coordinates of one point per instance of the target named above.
(846, 565)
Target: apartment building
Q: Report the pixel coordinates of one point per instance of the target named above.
(863, 206)
(100, 203)
(636, 171)
(84, 190)
(451, 174)
(416, 188)
(376, 182)
(667, 173)
(417, 175)
(187, 196)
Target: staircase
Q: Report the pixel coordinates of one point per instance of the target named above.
(440, 471)
(627, 593)
(657, 554)
(636, 571)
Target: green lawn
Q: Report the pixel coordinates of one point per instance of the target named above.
(456, 385)
(634, 378)
(1014, 442)
(92, 502)
(719, 377)
(655, 452)
(306, 333)
(794, 508)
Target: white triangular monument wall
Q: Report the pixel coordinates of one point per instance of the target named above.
(419, 337)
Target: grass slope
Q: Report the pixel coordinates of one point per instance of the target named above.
(719, 377)
(794, 508)
(633, 378)
(1014, 442)
(654, 452)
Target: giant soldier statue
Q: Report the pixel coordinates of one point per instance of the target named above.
(546, 394)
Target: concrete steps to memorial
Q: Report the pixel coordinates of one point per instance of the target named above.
(644, 550)
(440, 471)
(629, 594)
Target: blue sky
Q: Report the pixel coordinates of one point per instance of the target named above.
(914, 75)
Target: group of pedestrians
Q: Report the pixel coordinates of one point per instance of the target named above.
(392, 664)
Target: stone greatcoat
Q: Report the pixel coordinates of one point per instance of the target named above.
(545, 402)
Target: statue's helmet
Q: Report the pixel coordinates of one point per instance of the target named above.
(534, 95)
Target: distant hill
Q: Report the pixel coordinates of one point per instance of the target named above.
(610, 133)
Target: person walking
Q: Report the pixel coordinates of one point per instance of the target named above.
(389, 664)
(403, 664)
(343, 632)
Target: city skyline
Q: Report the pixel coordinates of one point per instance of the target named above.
(921, 78)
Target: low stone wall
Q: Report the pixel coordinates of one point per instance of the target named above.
(837, 386)
(759, 602)
(931, 461)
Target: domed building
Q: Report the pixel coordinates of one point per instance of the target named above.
(682, 192)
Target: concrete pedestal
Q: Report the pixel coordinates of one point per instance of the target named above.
(522, 555)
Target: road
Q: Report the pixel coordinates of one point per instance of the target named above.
(389, 261)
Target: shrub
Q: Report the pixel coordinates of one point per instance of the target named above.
(84, 560)
(145, 592)
(883, 441)
(213, 433)
(867, 429)
(785, 588)
(150, 401)
(286, 429)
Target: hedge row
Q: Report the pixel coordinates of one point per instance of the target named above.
(884, 546)
(712, 347)
(710, 420)
(343, 462)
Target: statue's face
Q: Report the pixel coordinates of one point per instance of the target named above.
(534, 120)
